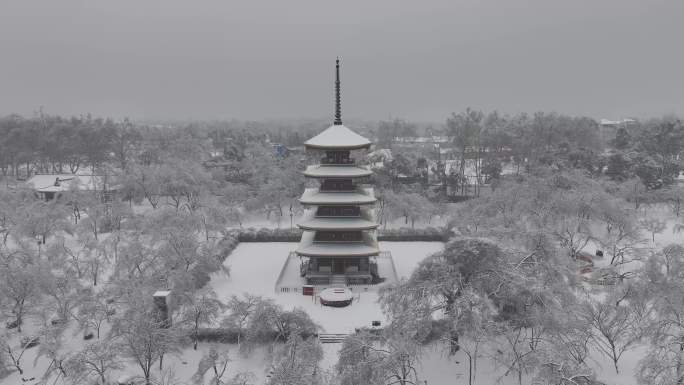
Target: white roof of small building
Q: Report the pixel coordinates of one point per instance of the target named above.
(336, 294)
(607, 122)
(336, 171)
(312, 196)
(308, 248)
(337, 137)
(65, 182)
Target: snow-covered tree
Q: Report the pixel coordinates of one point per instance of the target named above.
(615, 325)
(369, 358)
(297, 361)
(201, 308)
(94, 362)
(240, 312)
(663, 279)
(143, 339)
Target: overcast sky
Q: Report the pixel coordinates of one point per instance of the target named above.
(417, 60)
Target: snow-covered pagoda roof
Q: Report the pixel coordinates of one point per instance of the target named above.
(308, 248)
(337, 137)
(337, 171)
(312, 196)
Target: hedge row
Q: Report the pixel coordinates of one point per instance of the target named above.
(230, 335)
(407, 234)
(225, 247)
(404, 234)
(269, 235)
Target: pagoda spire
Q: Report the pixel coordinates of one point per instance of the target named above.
(338, 102)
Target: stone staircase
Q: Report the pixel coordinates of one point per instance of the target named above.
(338, 280)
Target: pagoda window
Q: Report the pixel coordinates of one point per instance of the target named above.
(338, 236)
(363, 264)
(337, 185)
(338, 211)
(323, 265)
(337, 157)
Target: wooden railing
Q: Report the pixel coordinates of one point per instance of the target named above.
(341, 162)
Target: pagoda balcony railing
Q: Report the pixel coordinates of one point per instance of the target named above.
(350, 211)
(309, 269)
(338, 162)
(352, 188)
(338, 216)
(339, 241)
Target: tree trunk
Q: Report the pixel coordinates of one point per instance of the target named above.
(680, 365)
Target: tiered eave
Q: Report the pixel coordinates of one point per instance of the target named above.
(313, 196)
(337, 171)
(337, 137)
(310, 248)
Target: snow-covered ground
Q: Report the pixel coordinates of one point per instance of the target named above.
(435, 365)
(254, 269)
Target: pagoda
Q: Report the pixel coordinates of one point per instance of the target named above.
(339, 243)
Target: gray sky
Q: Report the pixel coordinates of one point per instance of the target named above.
(418, 60)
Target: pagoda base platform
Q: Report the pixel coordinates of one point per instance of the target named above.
(291, 280)
(335, 280)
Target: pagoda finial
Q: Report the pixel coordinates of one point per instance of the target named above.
(338, 102)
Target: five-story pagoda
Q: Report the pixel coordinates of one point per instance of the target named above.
(339, 241)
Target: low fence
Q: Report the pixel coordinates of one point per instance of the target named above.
(354, 287)
(291, 288)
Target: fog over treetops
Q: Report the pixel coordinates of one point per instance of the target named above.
(170, 59)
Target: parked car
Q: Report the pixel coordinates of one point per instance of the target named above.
(88, 334)
(586, 257)
(57, 320)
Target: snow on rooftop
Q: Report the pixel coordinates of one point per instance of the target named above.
(336, 171)
(64, 182)
(607, 122)
(312, 196)
(336, 294)
(337, 137)
(308, 247)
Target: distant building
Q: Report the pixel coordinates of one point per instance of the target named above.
(608, 128)
(51, 186)
(282, 151)
(680, 179)
(422, 139)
